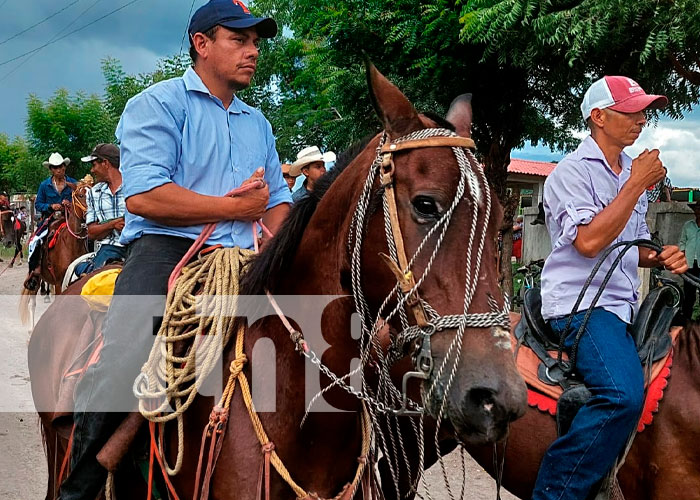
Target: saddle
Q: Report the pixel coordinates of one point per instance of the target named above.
(650, 331)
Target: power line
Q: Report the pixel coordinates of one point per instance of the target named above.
(37, 24)
(14, 70)
(68, 34)
(189, 16)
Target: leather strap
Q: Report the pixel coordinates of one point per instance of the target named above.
(431, 142)
(407, 281)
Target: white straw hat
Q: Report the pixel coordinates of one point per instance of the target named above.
(56, 160)
(309, 155)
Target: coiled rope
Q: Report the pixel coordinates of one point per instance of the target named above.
(172, 381)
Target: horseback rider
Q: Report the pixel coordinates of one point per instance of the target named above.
(312, 164)
(185, 143)
(596, 196)
(54, 193)
(105, 207)
(20, 226)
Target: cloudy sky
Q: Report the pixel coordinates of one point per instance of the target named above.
(146, 30)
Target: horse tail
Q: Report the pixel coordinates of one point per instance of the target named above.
(23, 308)
(49, 440)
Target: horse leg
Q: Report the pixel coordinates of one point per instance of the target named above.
(45, 292)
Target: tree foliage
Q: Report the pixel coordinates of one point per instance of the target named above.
(69, 124)
(19, 170)
(120, 87)
(526, 62)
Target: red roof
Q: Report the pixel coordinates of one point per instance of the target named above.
(529, 167)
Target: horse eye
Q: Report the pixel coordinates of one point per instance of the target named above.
(425, 208)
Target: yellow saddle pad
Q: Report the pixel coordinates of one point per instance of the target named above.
(98, 290)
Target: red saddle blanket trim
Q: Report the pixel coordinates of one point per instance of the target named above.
(52, 243)
(655, 392)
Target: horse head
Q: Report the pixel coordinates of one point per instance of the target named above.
(79, 197)
(442, 294)
(8, 230)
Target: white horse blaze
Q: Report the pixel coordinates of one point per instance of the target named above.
(503, 337)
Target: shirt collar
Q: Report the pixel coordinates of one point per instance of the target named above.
(194, 83)
(589, 150)
(104, 187)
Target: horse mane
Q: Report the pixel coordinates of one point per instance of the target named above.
(264, 271)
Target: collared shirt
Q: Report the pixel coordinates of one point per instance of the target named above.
(104, 206)
(579, 188)
(47, 194)
(177, 131)
(301, 192)
(690, 241)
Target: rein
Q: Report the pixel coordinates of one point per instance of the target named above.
(77, 202)
(567, 367)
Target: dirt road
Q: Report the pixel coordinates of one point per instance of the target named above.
(23, 473)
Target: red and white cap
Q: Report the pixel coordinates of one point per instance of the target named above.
(621, 94)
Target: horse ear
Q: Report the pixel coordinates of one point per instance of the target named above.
(460, 115)
(393, 108)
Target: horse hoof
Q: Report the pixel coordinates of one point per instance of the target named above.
(11, 265)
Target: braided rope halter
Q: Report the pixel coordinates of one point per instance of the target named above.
(382, 402)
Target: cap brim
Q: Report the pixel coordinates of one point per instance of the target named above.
(265, 26)
(88, 159)
(640, 103)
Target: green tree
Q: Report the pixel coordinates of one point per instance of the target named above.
(526, 62)
(19, 170)
(121, 87)
(70, 125)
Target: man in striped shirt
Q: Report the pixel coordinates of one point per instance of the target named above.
(106, 207)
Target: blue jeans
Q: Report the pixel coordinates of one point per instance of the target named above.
(105, 253)
(607, 362)
(108, 252)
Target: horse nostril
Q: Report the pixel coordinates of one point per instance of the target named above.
(482, 397)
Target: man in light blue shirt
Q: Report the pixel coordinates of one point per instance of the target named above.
(594, 198)
(185, 143)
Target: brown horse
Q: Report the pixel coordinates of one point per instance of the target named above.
(11, 232)
(663, 461)
(67, 240)
(331, 245)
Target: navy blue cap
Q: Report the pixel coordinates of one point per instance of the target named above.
(230, 14)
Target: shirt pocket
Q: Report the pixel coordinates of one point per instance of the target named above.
(603, 197)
